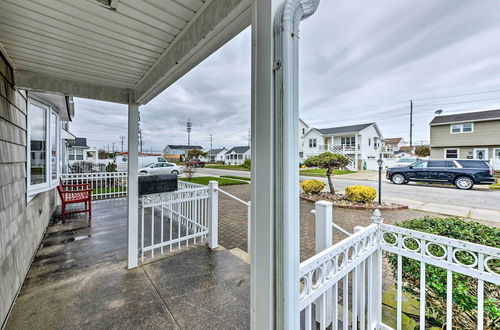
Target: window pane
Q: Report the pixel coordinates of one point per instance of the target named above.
(420, 164)
(38, 144)
(455, 128)
(467, 127)
(79, 154)
(53, 145)
(452, 153)
(436, 163)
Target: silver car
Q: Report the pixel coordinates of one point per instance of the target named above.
(161, 168)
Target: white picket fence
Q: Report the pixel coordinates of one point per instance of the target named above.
(342, 284)
(103, 184)
(175, 220)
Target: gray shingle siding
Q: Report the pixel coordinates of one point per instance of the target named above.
(22, 223)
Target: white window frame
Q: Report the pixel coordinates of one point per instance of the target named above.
(49, 182)
(458, 153)
(461, 126)
(312, 143)
(486, 153)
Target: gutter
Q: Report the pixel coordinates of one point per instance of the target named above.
(286, 137)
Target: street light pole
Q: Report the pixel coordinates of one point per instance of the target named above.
(380, 162)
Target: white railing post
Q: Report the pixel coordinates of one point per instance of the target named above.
(324, 236)
(359, 287)
(376, 305)
(213, 214)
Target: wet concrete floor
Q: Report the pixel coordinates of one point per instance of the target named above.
(78, 280)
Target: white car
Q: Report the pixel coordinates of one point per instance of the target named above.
(160, 168)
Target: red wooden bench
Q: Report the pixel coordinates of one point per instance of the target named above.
(79, 193)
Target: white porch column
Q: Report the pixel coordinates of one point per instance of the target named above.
(262, 224)
(275, 254)
(133, 184)
(356, 152)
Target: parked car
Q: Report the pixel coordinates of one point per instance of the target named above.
(464, 174)
(161, 168)
(121, 161)
(195, 163)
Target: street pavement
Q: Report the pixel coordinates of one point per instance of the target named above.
(476, 203)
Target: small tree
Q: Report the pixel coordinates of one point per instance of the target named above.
(196, 154)
(330, 162)
(422, 151)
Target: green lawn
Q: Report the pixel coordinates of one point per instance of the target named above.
(236, 177)
(227, 167)
(321, 172)
(495, 186)
(205, 179)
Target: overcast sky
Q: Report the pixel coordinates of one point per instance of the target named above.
(361, 61)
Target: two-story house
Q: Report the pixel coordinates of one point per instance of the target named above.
(303, 128)
(470, 135)
(392, 146)
(356, 142)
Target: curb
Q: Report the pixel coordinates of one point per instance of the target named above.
(360, 207)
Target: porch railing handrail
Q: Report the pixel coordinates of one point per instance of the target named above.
(233, 197)
(103, 184)
(356, 263)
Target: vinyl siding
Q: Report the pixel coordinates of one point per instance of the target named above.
(22, 223)
(486, 133)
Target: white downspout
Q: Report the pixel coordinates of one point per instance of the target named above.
(287, 212)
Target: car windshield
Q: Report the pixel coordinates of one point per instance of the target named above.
(406, 160)
(150, 164)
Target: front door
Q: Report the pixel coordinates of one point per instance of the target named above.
(496, 159)
(481, 153)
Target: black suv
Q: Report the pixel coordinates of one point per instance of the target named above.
(462, 173)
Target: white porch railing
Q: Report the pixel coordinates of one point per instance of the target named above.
(103, 184)
(342, 284)
(172, 221)
(345, 150)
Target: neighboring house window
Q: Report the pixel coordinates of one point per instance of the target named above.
(303, 131)
(451, 153)
(348, 141)
(78, 154)
(369, 141)
(312, 143)
(462, 128)
(71, 154)
(43, 147)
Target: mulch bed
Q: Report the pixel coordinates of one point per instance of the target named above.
(339, 200)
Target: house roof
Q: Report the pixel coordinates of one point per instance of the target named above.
(392, 141)
(79, 142)
(406, 148)
(239, 150)
(183, 147)
(467, 116)
(215, 151)
(343, 129)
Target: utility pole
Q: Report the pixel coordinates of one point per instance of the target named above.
(140, 139)
(113, 144)
(211, 141)
(122, 138)
(188, 129)
(411, 123)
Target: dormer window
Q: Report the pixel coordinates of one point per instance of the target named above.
(462, 128)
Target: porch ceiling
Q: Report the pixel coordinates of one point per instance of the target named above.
(89, 50)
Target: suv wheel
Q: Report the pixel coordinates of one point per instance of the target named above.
(464, 183)
(175, 172)
(398, 179)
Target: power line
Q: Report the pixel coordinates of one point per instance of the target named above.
(471, 101)
(456, 95)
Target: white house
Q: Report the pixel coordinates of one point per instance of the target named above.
(303, 128)
(357, 142)
(237, 155)
(78, 151)
(216, 155)
(391, 146)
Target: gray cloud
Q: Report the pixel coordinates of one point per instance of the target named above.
(360, 61)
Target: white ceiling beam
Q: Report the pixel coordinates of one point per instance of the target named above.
(216, 24)
(40, 82)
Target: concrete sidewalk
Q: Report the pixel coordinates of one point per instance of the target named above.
(452, 210)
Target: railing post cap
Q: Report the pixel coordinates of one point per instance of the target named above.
(377, 218)
(323, 203)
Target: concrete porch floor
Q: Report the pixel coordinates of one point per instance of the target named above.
(78, 280)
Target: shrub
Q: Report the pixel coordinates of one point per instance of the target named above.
(247, 163)
(464, 287)
(312, 186)
(360, 194)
